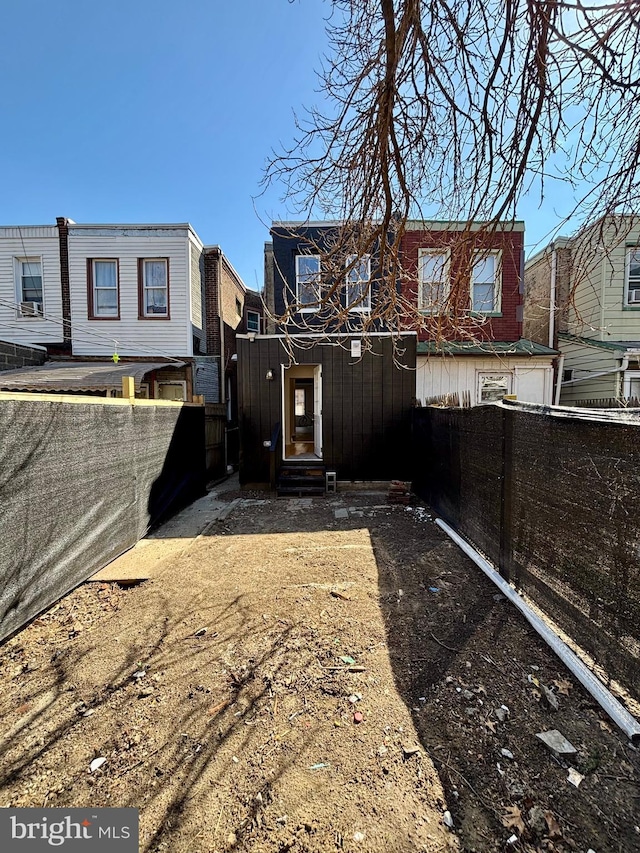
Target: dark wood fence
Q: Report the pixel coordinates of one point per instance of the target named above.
(553, 499)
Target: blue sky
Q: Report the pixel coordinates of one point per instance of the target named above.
(140, 111)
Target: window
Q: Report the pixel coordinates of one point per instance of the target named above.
(238, 307)
(433, 283)
(493, 386)
(102, 287)
(485, 283)
(358, 283)
(299, 402)
(28, 273)
(633, 277)
(253, 321)
(153, 288)
(631, 384)
(308, 281)
(176, 390)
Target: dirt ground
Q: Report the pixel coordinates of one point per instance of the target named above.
(310, 675)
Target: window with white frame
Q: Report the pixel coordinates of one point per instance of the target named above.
(433, 279)
(103, 288)
(358, 280)
(28, 273)
(253, 321)
(633, 277)
(631, 384)
(493, 386)
(299, 407)
(154, 287)
(308, 282)
(485, 283)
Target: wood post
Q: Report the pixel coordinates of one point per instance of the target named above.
(129, 388)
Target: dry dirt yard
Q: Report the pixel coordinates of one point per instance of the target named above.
(310, 675)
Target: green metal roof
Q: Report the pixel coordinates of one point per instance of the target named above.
(521, 347)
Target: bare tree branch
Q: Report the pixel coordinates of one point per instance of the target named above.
(453, 109)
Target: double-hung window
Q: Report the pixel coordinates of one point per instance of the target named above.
(28, 272)
(358, 283)
(485, 283)
(253, 321)
(633, 277)
(104, 302)
(433, 280)
(308, 282)
(153, 288)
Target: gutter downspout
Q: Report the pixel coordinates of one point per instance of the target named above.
(623, 366)
(556, 400)
(620, 716)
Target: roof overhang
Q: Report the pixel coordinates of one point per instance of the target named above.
(522, 347)
(79, 376)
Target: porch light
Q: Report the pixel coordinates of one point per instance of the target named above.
(269, 373)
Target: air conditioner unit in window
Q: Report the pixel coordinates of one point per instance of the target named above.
(31, 309)
(634, 297)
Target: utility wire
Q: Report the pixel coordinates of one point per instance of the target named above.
(89, 335)
(70, 324)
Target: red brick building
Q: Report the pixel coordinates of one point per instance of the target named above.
(467, 286)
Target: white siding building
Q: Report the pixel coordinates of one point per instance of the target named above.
(131, 290)
(30, 286)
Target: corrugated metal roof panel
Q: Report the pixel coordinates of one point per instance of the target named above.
(79, 375)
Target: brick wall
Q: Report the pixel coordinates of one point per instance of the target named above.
(507, 326)
(211, 290)
(13, 356)
(537, 281)
(63, 236)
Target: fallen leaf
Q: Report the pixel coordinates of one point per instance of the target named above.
(553, 825)
(512, 819)
(491, 725)
(563, 685)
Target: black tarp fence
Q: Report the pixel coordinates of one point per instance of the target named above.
(80, 483)
(552, 497)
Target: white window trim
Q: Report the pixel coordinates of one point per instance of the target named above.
(314, 308)
(627, 376)
(365, 306)
(482, 373)
(257, 314)
(434, 309)
(480, 254)
(147, 313)
(159, 382)
(627, 277)
(17, 277)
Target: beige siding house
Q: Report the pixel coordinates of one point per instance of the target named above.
(584, 292)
